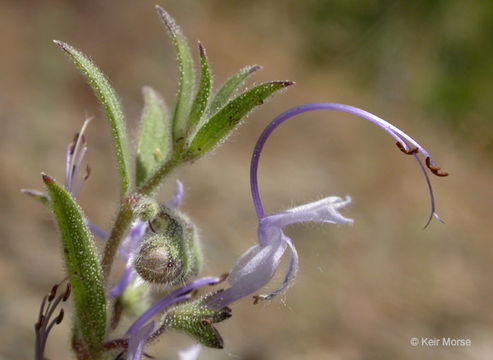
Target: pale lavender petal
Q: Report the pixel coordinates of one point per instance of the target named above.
(175, 201)
(254, 269)
(97, 231)
(122, 284)
(324, 210)
(161, 305)
(74, 153)
(137, 341)
(133, 240)
(291, 272)
(127, 250)
(176, 296)
(190, 353)
(76, 168)
(68, 172)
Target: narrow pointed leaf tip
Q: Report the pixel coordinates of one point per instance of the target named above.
(46, 179)
(220, 125)
(112, 108)
(81, 264)
(185, 76)
(229, 87)
(202, 98)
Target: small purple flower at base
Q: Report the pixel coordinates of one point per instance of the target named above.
(137, 341)
(73, 161)
(257, 266)
(141, 331)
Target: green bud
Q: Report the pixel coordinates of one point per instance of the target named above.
(144, 207)
(170, 252)
(195, 319)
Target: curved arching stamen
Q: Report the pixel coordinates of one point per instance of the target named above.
(408, 145)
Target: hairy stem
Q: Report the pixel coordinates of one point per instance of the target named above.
(125, 215)
(157, 178)
(123, 220)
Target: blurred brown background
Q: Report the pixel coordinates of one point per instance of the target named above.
(363, 291)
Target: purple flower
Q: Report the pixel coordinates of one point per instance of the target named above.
(73, 163)
(140, 331)
(257, 265)
(137, 341)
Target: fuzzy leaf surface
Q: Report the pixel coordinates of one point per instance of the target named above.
(113, 111)
(81, 264)
(185, 75)
(155, 143)
(225, 92)
(220, 125)
(202, 98)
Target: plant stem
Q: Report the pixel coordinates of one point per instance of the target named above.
(125, 215)
(123, 220)
(157, 178)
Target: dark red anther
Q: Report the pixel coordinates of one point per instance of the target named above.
(68, 290)
(435, 169)
(72, 147)
(88, 171)
(53, 292)
(206, 322)
(40, 323)
(59, 318)
(411, 151)
(256, 299)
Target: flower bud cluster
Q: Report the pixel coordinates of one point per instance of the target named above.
(170, 252)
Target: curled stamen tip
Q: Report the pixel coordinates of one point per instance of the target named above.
(402, 148)
(433, 215)
(59, 318)
(53, 292)
(66, 295)
(436, 170)
(88, 171)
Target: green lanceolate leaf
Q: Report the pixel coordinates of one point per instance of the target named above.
(230, 86)
(202, 98)
(185, 73)
(155, 144)
(81, 264)
(220, 125)
(112, 109)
